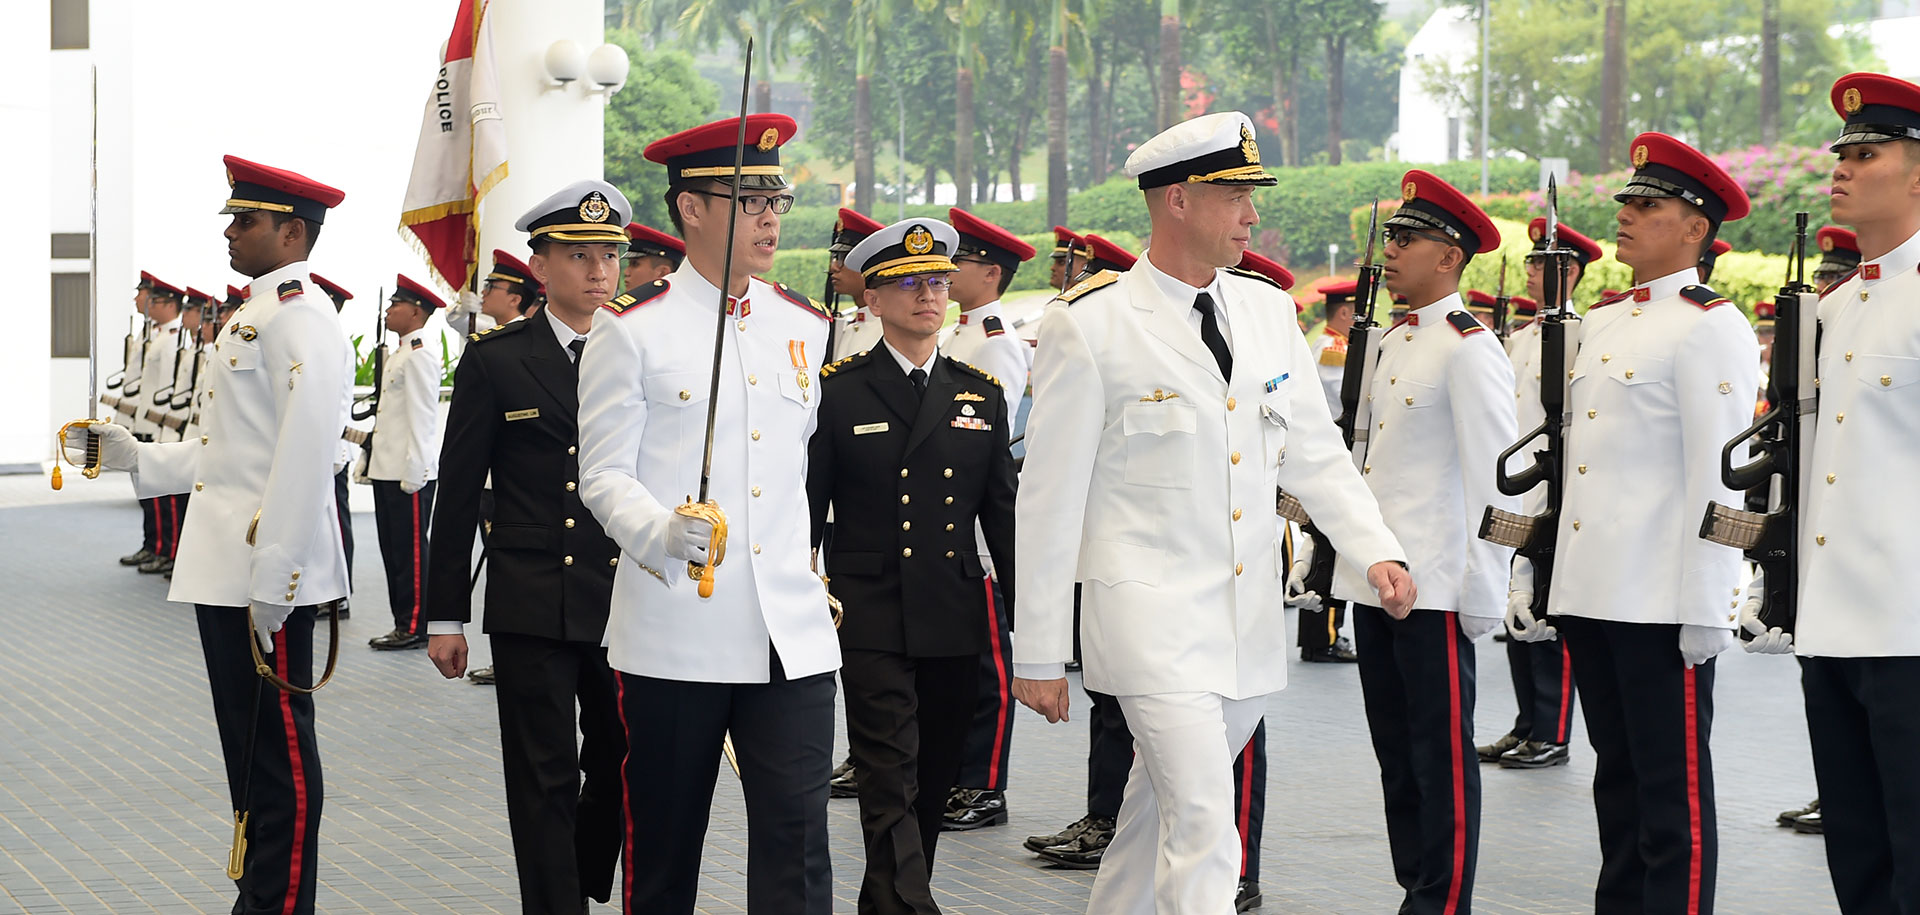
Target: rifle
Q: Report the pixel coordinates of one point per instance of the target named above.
(832, 298)
(1355, 414)
(184, 409)
(1500, 303)
(130, 387)
(1780, 439)
(1535, 536)
(371, 402)
(126, 365)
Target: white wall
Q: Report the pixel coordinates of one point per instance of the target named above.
(1450, 40)
(26, 427)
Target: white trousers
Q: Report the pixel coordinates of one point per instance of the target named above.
(1176, 850)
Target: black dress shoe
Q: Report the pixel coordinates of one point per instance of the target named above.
(844, 782)
(398, 640)
(1809, 824)
(156, 565)
(134, 559)
(1787, 817)
(1036, 844)
(1073, 665)
(481, 676)
(1247, 896)
(1082, 852)
(1535, 754)
(969, 808)
(1491, 753)
(1340, 652)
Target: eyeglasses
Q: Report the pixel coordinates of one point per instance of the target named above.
(1401, 236)
(755, 204)
(933, 283)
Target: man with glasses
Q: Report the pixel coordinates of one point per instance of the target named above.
(1442, 400)
(911, 455)
(755, 657)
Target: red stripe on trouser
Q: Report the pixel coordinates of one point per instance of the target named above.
(1000, 671)
(159, 527)
(626, 794)
(1566, 692)
(297, 858)
(414, 625)
(1459, 774)
(1693, 794)
(1244, 817)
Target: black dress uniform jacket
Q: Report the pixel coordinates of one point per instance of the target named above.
(550, 564)
(904, 563)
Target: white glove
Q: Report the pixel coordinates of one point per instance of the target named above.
(118, 450)
(1765, 640)
(267, 620)
(1700, 644)
(1521, 621)
(688, 536)
(1297, 593)
(1477, 627)
(360, 468)
(412, 486)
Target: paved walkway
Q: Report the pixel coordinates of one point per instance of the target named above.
(111, 797)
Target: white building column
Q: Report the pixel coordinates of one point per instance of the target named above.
(26, 435)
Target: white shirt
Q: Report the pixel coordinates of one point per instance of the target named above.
(998, 352)
(562, 334)
(906, 364)
(1177, 291)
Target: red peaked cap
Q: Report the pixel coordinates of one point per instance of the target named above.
(1525, 307)
(851, 229)
(1269, 268)
(1876, 108)
(1585, 249)
(195, 295)
(1341, 292)
(1829, 238)
(1430, 204)
(404, 288)
(328, 286)
(1105, 255)
(648, 240)
(510, 269)
(1666, 167)
(279, 190)
(1763, 312)
(980, 238)
(1720, 246)
(1066, 240)
(156, 284)
(1478, 300)
(706, 152)
(234, 293)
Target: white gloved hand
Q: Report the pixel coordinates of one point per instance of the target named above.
(118, 450)
(1477, 627)
(360, 468)
(1297, 593)
(267, 620)
(412, 486)
(688, 536)
(1700, 644)
(1765, 640)
(1521, 621)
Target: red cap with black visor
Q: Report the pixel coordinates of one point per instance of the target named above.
(1429, 204)
(982, 239)
(1876, 108)
(1666, 167)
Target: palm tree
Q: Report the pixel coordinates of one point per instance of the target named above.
(769, 22)
(1057, 113)
(1613, 82)
(1169, 84)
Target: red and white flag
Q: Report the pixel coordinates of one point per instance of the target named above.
(462, 151)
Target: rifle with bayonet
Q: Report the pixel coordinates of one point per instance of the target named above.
(130, 388)
(1534, 536)
(163, 398)
(185, 409)
(1355, 413)
(832, 298)
(368, 407)
(129, 352)
(1779, 440)
(1501, 302)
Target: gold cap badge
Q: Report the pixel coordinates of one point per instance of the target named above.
(1248, 148)
(594, 208)
(1851, 100)
(1826, 243)
(1640, 156)
(918, 240)
(1537, 232)
(1409, 192)
(768, 140)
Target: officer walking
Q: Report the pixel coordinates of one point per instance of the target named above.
(1664, 379)
(261, 551)
(402, 465)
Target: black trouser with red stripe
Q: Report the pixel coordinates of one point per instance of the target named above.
(1250, 800)
(160, 519)
(1417, 678)
(402, 521)
(1865, 732)
(1543, 686)
(1649, 717)
(150, 525)
(990, 738)
(282, 788)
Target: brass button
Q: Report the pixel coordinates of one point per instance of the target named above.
(203, 439)
(904, 499)
(1592, 413)
(753, 379)
(949, 554)
(949, 499)
(1238, 568)
(615, 562)
(906, 525)
(566, 560)
(1839, 417)
(1634, 314)
(295, 576)
(1230, 403)
(756, 492)
(1606, 357)
(1569, 374)
(685, 396)
(755, 435)
(1233, 458)
(1629, 373)
(1821, 540)
(289, 596)
(1830, 478)
(756, 549)
(569, 524)
(948, 473)
(740, 325)
(1236, 514)
(906, 552)
(571, 486)
(1367, 469)
(1409, 401)
(1409, 335)
(198, 486)
(233, 360)
(573, 449)
(1576, 525)
(1383, 425)
(1395, 379)
(1849, 355)
(949, 525)
(1886, 380)
(1583, 468)
(903, 473)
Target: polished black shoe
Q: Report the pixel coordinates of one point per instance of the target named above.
(844, 782)
(971, 808)
(1491, 753)
(1084, 851)
(1036, 844)
(1787, 817)
(156, 565)
(481, 676)
(1073, 665)
(134, 559)
(1809, 824)
(1340, 652)
(1247, 896)
(1535, 754)
(398, 640)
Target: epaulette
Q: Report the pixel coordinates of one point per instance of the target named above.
(974, 370)
(991, 324)
(1609, 300)
(1702, 296)
(498, 330)
(1466, 324)
(832, 367)
(800, 300)
(1097, 281)
(289, 289)
(1249, 274)
(1836, 284)
(628, 301)
(1334, 354)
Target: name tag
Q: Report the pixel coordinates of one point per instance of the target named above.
(866, 428)
(523, 414)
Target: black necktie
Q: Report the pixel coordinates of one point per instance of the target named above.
(919, 379)
(1210, 334)
(579, 345)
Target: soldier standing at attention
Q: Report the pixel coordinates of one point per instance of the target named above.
(856, 332)
(1068, 259)
(1665, 377)
(261, 552)
(402, 465)
(651, 254)
(157, 361)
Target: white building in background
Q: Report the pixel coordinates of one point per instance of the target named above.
(1434, 128)
(332, 90)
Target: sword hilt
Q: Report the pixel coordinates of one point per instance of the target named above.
(708, 510)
